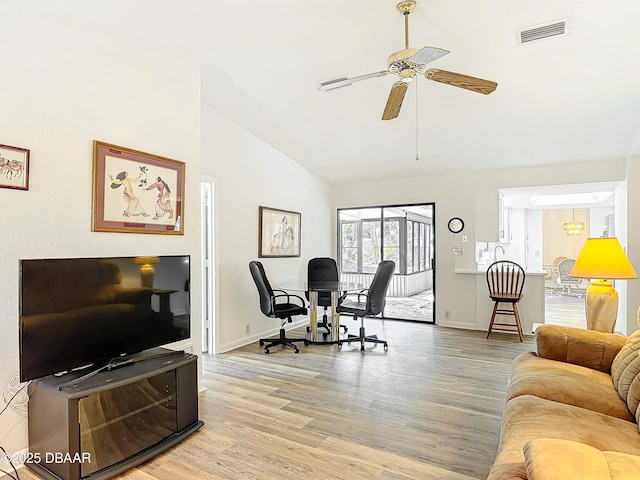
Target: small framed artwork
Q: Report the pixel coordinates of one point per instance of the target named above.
(136, 192)
(14, 167)
(278, 233)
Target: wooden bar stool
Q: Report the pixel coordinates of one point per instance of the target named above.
(505, 280)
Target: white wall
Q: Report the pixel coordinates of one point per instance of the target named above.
(455, 195)
(62, 86)
(630, 239)
(250, 173)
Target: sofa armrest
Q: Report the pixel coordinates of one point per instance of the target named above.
(134, 296)
(556, 459)
(588, 348)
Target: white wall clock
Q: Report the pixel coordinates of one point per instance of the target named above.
(455, 225)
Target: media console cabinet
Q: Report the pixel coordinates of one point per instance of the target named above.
(112, 420)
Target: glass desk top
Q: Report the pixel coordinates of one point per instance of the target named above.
(331, 332)
(321, 287)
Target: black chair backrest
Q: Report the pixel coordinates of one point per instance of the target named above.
(379, 285)
(322, 269)
(505, 277)
(264, 288)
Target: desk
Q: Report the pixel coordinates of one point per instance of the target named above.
(335, 288)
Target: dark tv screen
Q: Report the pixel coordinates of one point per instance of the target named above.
(76, 313)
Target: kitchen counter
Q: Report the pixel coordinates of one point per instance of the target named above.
(531, 307)
(465, 271)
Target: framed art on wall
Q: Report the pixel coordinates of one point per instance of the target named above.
(278, 233)
(136, 192)
(14, 167)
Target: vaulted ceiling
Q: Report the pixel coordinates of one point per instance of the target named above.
(565, 99)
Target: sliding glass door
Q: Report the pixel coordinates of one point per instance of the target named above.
(402, 233)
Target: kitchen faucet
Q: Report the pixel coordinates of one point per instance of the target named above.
(495, 251)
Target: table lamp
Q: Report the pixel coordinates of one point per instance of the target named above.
(146, 270)
(602, 258)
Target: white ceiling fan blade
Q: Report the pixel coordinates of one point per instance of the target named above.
(345, 82)
(426, 55)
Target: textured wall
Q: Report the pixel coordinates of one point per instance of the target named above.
(63, 85)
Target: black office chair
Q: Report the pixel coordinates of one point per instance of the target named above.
(323, 269)
(283, 310)
(370, 301)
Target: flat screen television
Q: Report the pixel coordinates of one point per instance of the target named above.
(78, 313)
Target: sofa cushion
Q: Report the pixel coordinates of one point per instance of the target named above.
(588, 348)
(633, 397)
(566, 383)
(627, 353)
(527, 418)
(555, 459)
(625, 371)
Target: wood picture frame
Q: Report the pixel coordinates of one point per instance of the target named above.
(136, 192)
(14, 167)
(278, 233)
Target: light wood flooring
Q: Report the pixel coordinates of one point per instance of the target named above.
(428, 408)
(565, 310)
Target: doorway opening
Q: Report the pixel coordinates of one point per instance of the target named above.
(402, 233)
(538, 219)
(207, 193)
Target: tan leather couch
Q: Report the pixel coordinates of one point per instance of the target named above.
(572, 409)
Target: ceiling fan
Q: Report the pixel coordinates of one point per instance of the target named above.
(406, 64)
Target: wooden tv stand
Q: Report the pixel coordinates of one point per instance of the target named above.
(113, 420)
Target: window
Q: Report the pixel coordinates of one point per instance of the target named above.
(370, 241)
(366, 239)
(392, 241)
(418, 246)
(349, 246)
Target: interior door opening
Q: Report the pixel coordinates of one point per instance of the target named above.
(208, 270)
(402, 233)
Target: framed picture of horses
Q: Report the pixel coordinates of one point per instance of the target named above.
(136, 192)
(278, 233)
(14, 167)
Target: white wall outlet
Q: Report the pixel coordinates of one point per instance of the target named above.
(457, 250)
(247, 328)
(447, 315)
(465, 239)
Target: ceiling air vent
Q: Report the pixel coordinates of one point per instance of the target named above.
(555, 28)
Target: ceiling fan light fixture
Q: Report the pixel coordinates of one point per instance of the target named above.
(407, 75)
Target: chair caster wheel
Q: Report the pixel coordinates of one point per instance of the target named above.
(362, 349)
(266, 350)
(307, 343)
(386, 347)
(261, 343)
(340, 345)
(296, 350)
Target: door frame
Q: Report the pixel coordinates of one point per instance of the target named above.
(382, 207)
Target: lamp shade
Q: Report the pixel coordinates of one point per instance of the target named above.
(603, 258)
(146, 260)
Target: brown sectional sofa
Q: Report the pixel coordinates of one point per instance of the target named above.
(572, 409)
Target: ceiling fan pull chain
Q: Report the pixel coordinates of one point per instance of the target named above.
(417, 129)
